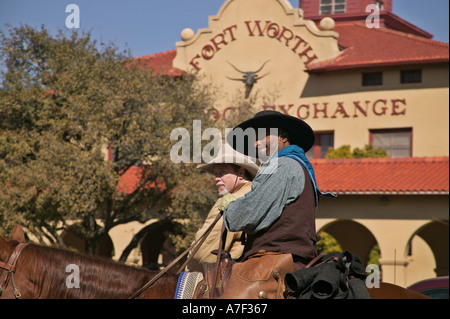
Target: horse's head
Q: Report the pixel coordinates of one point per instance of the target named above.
(10, 251)
(6, 246)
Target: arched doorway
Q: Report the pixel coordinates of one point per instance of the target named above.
(105, 247)
(352, 236)
(436, 235)
(156, 247)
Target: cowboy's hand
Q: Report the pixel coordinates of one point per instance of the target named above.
(226, 199)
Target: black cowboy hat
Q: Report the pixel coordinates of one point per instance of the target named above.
(300, 133)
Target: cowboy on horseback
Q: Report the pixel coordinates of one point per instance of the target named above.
(278, 215)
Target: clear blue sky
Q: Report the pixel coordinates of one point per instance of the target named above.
(151, 26)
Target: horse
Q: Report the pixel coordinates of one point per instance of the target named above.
(43, 272)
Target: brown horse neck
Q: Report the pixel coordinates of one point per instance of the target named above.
(46, 270)
(391, 291)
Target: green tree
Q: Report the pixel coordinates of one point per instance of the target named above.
(65, 103)
(345, 152)
(327, 244)
(374, 255)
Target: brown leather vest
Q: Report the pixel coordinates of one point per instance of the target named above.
(294, 232)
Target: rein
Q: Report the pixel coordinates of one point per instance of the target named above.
(194, 247)
(8, 269)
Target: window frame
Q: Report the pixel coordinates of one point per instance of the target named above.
(364, 81)
(408, 130)
(316, 149)
(332, 5)
(403, 76)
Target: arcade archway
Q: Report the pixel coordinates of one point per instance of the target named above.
(436, 235)
(156, 247)
(352, 236)
(105, 247)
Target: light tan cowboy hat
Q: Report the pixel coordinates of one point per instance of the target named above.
(228, 155)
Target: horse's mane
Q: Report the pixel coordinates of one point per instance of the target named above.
(99, 278)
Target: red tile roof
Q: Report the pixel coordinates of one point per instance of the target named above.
(160, 63)
(364, 47)
(365, 176)
(412, 175)
(129, 181)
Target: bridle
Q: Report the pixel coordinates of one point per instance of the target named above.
(8, 269)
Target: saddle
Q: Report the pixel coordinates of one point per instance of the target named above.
(261, 276)
(215, 278)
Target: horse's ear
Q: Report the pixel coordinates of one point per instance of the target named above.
(17, 234)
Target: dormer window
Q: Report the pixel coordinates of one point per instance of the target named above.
(332, 6)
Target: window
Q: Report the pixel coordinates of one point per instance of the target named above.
(372, 78)
(411, 76)
(321, 145)
(380, 5)
(332, 6)
(396, 142)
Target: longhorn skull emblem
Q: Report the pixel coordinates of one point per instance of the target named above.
(249, 78)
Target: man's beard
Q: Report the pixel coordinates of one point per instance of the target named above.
(224, 191)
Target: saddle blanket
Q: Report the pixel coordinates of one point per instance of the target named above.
(187, 281)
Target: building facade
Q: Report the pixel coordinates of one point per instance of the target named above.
(359, 75)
